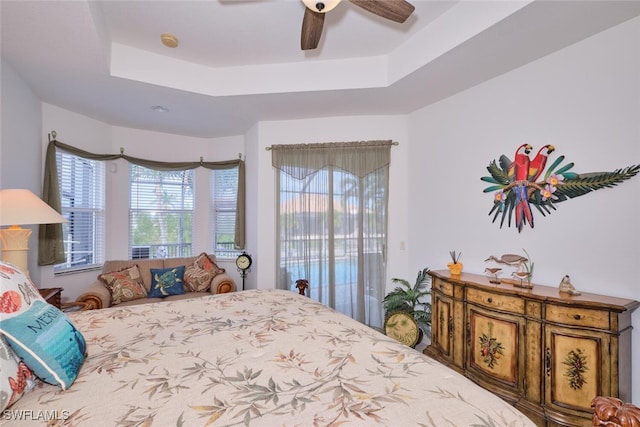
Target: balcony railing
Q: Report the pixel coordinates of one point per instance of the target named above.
(170, 250)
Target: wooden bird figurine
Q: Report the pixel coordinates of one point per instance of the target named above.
(494, 271)
(522, 276)
(509, 259)
(566, 286)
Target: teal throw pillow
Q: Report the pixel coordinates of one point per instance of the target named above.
(48, 343)
(39, 333)
(166, 281)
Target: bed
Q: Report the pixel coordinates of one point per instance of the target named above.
(257, 358)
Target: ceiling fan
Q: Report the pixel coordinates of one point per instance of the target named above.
(395, 10)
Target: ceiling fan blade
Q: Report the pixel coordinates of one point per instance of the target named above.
(395, 10)
(311, 29)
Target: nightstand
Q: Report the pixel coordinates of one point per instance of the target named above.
(52, 295)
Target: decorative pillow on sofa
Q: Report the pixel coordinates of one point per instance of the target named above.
(166, 281)
(16, 379)
(198, 276)
(124, 285)
(40, 334)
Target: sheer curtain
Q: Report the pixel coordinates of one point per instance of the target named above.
(332, 228)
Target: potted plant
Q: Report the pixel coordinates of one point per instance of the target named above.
(455, 266)
(408, 298)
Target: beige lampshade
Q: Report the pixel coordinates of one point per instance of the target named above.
(22, 207)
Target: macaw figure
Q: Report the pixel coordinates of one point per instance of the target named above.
(516, 186)
(539, 162)
(521, 165)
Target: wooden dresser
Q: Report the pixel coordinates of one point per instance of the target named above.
(547, 353)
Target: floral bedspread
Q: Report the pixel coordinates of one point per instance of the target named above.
(255, 358)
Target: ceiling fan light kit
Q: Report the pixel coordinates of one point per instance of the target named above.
(313, 21)
(321, 6)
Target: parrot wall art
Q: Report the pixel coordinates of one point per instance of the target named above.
(522, 183)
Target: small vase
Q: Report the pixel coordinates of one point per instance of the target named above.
(455, 268)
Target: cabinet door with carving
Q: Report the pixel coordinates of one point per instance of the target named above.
(576, 368)
(495, 344)
(442, 325)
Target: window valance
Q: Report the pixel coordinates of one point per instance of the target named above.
(50, 241)
(359, 158)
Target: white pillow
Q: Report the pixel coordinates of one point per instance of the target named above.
(16, 379)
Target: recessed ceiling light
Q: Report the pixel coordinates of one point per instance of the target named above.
(160, 109)
(169, 40)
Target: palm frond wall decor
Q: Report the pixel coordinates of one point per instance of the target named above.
(516, 185)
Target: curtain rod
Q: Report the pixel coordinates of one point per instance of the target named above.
(393, 143)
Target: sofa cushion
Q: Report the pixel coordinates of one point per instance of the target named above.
(16, 379)
(40, 334)
(166, 281)
(124, 285)
(198, 275)
(144, 265)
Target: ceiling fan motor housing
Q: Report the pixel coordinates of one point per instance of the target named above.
(321, 6)
(315, 10)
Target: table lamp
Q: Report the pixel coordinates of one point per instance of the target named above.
(22, 207)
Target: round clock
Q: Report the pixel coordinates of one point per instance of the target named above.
(402, 327)
(243, 262)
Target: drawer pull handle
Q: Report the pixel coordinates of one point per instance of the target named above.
(450, 327)
(489, 300)
(547, 361)
(576, 316)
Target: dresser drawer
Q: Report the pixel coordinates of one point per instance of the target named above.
(444, 287)
(577, 316)
(495, 301)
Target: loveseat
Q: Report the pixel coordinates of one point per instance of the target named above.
(100, 293)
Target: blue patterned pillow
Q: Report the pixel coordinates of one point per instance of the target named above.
(166, 281)
(40, 334)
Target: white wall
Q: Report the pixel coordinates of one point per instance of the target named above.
(253, 173)
(20, 134)
(585, 100)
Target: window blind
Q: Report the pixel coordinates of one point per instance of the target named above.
(160, 213)
(224, 190)
(82, 195)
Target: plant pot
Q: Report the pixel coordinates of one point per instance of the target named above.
(420, 338)
(455, 268)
